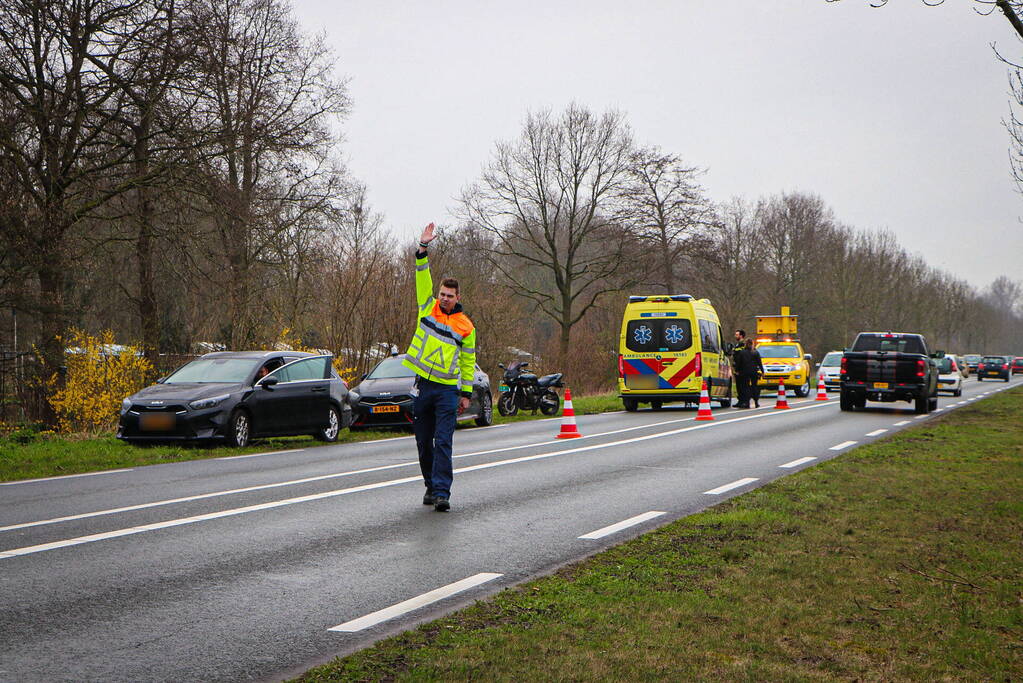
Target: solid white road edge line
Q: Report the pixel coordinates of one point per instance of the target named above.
(797, 463)
(259, 455)
(63, 476)
(877, 432)
(624, 524)
(380, 468)
(844, 444)
(374, 618)
(729, 487)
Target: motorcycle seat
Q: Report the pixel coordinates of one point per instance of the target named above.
(551, 380)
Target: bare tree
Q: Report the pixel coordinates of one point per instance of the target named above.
(546, 198)
(268, 109)
(664, 206)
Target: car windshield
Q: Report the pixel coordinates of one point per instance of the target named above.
(972, 358)
(831, 360)
(783, 351)
(390, 368)
(1017, 361)
(888, 342)
(214, 370)
(993, 360)
(944, 365)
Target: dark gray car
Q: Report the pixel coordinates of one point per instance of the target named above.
(236, 396)
(385, 395)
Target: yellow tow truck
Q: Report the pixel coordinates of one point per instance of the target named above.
(784, 360)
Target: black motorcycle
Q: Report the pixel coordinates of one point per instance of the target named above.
(522, 390)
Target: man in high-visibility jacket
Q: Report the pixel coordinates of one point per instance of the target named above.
(443, 356)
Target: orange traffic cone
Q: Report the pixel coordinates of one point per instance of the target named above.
(822, 391)
(568, 428)
(782, 401)
(704, 412)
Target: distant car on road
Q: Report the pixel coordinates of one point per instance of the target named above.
(831, 370)
(972, 361)
(949, 377)
(993, 367)
(1017, 365)
(236, 396)
(384, 397)
(964, 368)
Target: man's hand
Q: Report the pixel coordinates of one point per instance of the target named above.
(428, 234)
(463, 402)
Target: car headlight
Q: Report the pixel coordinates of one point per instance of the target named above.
(125, 405)
(208, 402)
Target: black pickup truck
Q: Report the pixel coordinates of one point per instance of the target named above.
(889, 366)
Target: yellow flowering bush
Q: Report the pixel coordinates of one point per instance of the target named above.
(100, 374)
(287, 340)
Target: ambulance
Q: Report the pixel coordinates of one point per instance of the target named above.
(668, 345)
(784, 360)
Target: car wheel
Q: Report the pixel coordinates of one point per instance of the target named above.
(920, 404)
(803, 390)
(979, 378)
(845, 401)
(656, 405)
(958, 392)
(239, 429)
(631, 405)
(506, 404)
(330, 432)
(486, 416)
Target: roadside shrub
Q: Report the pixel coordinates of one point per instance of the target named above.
(100, 374)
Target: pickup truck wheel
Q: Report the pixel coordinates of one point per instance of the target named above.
(920, 405)
(845, 401)
(932, 404)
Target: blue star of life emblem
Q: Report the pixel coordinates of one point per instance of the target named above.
(674, 334)
(643, 335)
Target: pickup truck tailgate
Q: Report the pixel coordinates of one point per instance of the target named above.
(882, 366)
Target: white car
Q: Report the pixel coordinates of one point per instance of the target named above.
(829, 369)
(950, 378)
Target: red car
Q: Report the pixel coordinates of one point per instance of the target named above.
(1017, 365)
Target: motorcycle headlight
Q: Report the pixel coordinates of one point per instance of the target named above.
(125, 405)
(208, 402)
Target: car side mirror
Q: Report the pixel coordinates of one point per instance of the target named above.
(807, 356)
(818, 365)
(363, 376)
(268, 382)
(501, 365)
(729, 347)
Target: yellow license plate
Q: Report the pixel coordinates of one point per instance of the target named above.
(880, 385)
(156, 422)
(386, 409)
(643, 382)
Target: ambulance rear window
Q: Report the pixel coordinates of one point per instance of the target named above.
(651, 335)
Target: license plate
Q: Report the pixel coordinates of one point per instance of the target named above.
(992, 374)
(386, 409)
(880, 385)
(156, 422)
(503, 387)
(645, 382)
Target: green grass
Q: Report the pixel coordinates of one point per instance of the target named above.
(896, 561)
(29, 454)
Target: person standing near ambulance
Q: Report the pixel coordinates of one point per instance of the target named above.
(443, 356)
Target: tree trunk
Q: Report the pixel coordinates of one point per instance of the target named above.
(148, 310)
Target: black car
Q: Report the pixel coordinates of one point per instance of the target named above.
(385, 395)
(236, 396)
(994, 367)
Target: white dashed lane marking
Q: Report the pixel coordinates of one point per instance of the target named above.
(797, 463)
(877, 432)
(844, 444)
(728, 487)
(624, 524)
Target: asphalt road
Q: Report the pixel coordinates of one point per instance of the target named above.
(239, 568)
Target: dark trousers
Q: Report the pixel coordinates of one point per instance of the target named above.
(434, 414)
(748, 387)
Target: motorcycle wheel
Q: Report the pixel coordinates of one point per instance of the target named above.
(506, 404)
(550, 402)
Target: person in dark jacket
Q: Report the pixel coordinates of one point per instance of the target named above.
(748, 369)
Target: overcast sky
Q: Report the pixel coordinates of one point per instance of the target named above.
(892, 116)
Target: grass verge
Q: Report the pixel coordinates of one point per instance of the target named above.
(30, 455)
(897, 561)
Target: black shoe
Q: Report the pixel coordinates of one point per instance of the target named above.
(441, 504)
(756, 403)
(429, 499)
